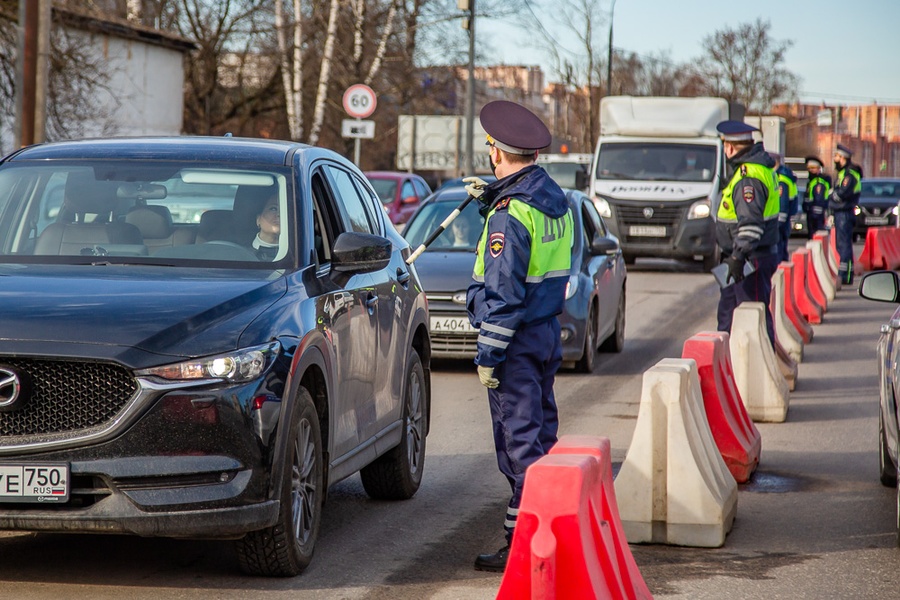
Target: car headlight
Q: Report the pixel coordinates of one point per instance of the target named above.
(856, 210)
(571, 286)
(602, 207)
(895, 211)
(699, 210)
(234, 367)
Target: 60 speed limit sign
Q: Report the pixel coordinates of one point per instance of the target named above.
(359, 101)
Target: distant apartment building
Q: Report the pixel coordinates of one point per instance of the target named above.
(872, 131)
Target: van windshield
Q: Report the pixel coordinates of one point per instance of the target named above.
(656, 162)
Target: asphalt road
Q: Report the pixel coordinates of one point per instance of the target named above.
(814, 522)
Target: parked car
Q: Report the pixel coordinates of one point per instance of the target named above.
(158, 377)
(594, 313)
(400, 193)
(878, 200)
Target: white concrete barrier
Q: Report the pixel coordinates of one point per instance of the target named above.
(785, 331)
(820, 266)
(762, 386)
(674, 486)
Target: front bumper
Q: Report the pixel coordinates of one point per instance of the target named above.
(682, 237)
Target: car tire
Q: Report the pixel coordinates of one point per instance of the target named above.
(586, 363)
(396, 475)
(286, 548)
(886, 469)
(616, 340)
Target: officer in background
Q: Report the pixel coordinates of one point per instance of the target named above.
(787, 194)
(521, 269)
(841, 202)
(815, 201)
(747, 222)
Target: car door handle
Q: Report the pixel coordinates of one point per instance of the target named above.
(371, 300)
(403, 277)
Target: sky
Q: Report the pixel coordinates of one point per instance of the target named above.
(844, 51)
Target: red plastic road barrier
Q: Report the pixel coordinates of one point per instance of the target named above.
(805, 302)
(566, 544)
(812, 281)
(787, 365)
(881, 250)
(736, 436)
(790, 304)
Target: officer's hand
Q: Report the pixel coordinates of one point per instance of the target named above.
(735, 268)
(486, 375)
(476, 186)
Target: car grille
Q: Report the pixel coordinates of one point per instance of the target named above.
(456, 345)
(629, 215)
(67, 396)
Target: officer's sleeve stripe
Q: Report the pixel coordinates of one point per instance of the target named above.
(547, 275)
(482, 339)
(497, 329)
(478, 278)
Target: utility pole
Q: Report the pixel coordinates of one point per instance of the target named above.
(612, 10)
(469, 24)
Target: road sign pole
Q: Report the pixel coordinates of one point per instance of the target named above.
(356, 150)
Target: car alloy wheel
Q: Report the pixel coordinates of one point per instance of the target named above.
(586, 363)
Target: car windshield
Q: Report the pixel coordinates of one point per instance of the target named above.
(461, 235)
(385, 188)
(880, 189)
(656, 162)
(139, 212)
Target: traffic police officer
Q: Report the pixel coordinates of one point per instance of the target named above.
(841, 202)
(815, 201)
(787, 194)
(747, 222)
(521, 269)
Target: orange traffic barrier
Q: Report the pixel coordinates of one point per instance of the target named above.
(833, 257)
(568, 541)
(790, 304)
(809, 308)
(812, 280)
(881, 250)
(829, 257)
(736, 437)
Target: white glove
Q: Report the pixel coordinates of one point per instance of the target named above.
(486, 375)
(475, 187)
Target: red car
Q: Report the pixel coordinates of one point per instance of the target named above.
(400, 193)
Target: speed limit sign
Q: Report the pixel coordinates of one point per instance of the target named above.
(359, 101)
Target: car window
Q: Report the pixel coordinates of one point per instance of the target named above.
(356, 217)
(323, 219)
(590, 212)
(407, 190)
(421, 188)
(385, 188)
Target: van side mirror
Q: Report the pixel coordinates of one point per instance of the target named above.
(581, 180)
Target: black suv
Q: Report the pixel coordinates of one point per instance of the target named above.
(170, 366)
(878, 201)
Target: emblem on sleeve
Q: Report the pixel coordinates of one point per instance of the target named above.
(845, 182)
(748, 193)
(496, 244)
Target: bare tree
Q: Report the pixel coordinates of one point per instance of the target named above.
(746, 65)
(324, 73)
(292, 75)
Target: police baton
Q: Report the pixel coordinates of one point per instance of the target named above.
(437, 232)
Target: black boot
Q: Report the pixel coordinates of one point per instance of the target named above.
(495, 562)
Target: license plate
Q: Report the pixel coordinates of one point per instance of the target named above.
(34, 483)
(647, 231)
(876, 220)
(451, 325)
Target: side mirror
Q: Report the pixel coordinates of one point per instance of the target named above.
(409, 200)
(360, 253)
(603, 245)
(881, 286)
(581, 180)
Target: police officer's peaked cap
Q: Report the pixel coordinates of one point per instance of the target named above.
(843, 151)
(735, 131)
(813, 161)
(513, 128)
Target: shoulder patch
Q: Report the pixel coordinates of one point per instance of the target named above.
(846, 181)
(748, 193)
(495, 243)
(503, 203)
(743, 170)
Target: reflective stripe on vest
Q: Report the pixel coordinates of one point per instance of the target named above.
(766, 176)
(551, 242)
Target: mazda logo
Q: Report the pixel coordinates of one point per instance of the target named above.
(10, 387)
(648, 213)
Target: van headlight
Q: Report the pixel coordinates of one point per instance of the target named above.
(602, 207)
(699, 210)
(234, 367)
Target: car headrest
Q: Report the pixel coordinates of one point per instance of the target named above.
(84, 194)
(154, 222)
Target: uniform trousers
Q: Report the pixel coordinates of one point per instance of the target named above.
(784, 235)
(755, 287)
(523, 409)
(844, 220)
(815, 220)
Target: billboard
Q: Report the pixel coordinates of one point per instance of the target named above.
(437, 143)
